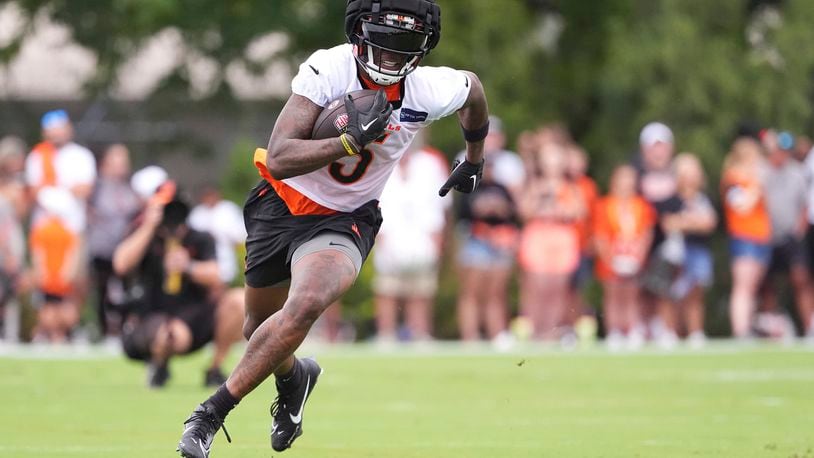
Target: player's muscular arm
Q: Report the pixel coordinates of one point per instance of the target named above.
(291, 152)
(473, 116)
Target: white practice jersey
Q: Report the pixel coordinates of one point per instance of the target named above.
(429, 94)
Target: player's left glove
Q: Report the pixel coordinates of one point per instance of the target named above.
(465, 177)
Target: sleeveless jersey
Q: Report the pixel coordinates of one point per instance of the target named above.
(427, 94)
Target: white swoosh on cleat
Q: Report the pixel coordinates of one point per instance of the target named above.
(296, 419)
(203, 449)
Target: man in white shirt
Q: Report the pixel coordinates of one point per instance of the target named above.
(58, 161)
(224, 221)
(408, 247)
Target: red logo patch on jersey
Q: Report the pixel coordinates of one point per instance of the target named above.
(355, 229)
(341, 122)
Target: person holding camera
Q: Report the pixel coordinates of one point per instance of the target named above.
(174, 271)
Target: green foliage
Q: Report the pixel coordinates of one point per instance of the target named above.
(215, 29)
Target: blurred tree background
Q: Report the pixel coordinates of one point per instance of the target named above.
(602, 67)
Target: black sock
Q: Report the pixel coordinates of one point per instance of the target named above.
(223, 401)
(291, 379)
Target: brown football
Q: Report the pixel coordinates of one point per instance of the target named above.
(333, 119)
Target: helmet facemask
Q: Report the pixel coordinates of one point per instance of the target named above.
(392, 48)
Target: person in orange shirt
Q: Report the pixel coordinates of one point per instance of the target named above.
(549, 246)
(54, 248)
(623, 224)
(749, 229)
(577, 172)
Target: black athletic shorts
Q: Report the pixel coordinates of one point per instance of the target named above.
(274, 233)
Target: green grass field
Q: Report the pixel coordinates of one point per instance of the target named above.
(725, 401)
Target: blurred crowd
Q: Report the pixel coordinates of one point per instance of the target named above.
(161, 271)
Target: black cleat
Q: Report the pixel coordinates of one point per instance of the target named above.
(214, 378)
(199, 431)
(288, 407)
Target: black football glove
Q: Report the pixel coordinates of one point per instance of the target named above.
(465, 177)
(368, 126)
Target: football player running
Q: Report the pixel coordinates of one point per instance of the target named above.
(312, 220)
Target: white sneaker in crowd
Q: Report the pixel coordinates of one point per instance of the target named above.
(615, 341)
(697, 340)
(668, 340)
(636, 338)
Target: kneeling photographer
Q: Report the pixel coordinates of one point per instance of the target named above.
(172, 271)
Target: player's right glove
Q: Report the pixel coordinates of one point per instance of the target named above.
(465, 177)
(367, 126)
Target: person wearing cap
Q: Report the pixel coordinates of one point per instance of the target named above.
(658, 186)
(54, 243)
(59, 161)
(113, 205)
(176, 269)
(787, 202)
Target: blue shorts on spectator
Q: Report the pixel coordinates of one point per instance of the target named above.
(739, 247)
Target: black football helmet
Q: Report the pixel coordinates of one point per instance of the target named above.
(390, 37)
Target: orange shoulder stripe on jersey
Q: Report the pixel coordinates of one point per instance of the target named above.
(297, 203)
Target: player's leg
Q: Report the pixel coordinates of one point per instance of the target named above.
(318, 279)
(322, 269)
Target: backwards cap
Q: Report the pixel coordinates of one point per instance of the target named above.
(54, 118)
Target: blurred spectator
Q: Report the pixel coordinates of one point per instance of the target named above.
(113, 205)
(690, 221)
(223, 220)
(786, 199)
(55, 246)
(175, 269)
(550, 245)
(528, 144)
(60, 162)
(408, 247)
(657, 181)
(488, 227)
(13, 207)
(802, 148)
(657, 184)
(589, 192)
(748, 227)
(623, 231)
(12, 179)
(808, 164)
